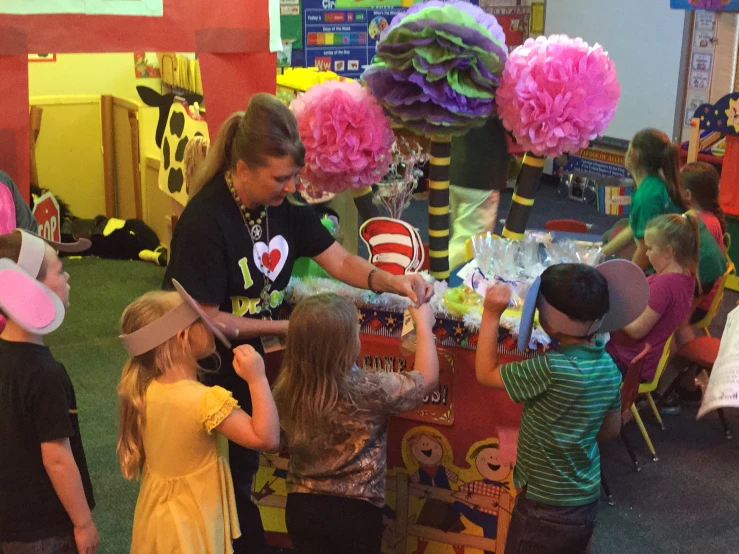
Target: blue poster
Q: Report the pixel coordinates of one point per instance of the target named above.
(343, 40)
(716, 5)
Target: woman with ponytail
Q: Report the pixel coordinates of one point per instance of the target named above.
(653, 162)
(170, 426)
(673, 248)
(234, 247)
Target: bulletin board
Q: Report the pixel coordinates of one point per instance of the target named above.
(341, 35)
(645, 38)
(717, 5)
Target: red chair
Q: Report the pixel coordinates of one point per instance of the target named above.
(629, 393)
(566, 225)
(700, 353)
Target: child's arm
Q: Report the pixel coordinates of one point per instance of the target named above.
(65, 478)
(611, 426)
(487, 369)
(639, 328)
(261, 430)
(619, 242)
(640, 254)
(427, 359)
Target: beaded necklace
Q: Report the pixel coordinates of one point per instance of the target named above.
(254, 230)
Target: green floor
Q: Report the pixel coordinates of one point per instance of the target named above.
(88, 346)
(688, 502)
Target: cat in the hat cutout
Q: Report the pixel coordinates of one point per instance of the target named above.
(175, 129)
(394, 246)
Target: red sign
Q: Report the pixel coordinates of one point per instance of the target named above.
(438, 406)
(332, 17)
(46, 212)
(323, 63)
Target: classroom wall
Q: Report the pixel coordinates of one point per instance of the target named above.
(95, 74)
(69, 150)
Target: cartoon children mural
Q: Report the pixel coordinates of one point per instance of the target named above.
(429, 458)
(482, 500)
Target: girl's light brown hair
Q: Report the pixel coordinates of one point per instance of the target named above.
(658, 156)
(702, 180)
(267, 129)
(139, 372)
(682, 233)
(322, 346)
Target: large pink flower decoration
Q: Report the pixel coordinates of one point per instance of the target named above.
(557, 94)
(346, 135)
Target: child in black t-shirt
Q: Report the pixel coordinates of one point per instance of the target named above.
(45, 490)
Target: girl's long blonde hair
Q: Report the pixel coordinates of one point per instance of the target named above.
(322, 347)
(682, 233)
(267, 129)
(139, 372)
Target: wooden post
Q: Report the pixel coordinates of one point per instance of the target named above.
(694, 140)
(35, 120)
(133, 121)
(106, 104)
(523, 197)
(441, 148)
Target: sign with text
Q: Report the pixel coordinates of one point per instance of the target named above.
(46, 213)
(438, 406)
(723, 386)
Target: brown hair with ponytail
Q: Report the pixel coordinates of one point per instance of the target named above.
(267, 129)
(702, 180)
(656, 155)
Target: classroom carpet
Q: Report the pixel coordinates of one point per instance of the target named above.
(687, 502)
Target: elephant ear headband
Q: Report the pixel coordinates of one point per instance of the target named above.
(628, 295)
(175, 320)
(33, 248)
(28, 302)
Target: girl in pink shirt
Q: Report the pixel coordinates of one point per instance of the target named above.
(701, 183)
(673, 247)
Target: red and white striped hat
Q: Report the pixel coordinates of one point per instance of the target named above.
(394, 245)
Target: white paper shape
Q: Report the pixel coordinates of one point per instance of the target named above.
(723, 386)
(275, 28)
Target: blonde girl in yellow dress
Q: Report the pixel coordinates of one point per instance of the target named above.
(173, 429)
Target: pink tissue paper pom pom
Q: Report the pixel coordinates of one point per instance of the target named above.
(346, 135)
(557, 94)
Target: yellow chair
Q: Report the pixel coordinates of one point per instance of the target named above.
(647, 389)
(716, 304)
(469, 253)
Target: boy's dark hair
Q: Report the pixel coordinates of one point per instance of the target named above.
(577, 290)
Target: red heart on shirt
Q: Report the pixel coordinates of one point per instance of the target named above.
(271, 260)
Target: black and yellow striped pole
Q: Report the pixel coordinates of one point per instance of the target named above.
(523, 196)
(441, 149)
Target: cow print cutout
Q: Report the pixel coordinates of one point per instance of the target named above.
(179, 154)
(166, 152)
(177, 124)
(175, 180)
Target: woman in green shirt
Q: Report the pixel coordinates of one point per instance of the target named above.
(653, 162)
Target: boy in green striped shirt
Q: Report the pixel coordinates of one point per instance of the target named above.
(571, 397)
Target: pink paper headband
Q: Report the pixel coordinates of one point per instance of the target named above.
(33, 248)
(563, 323)
(177, 319)
(26, 301)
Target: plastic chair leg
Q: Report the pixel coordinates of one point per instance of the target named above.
(725, 424)
(655, 411)
(630, 450)
(606, 488)
(644, 433)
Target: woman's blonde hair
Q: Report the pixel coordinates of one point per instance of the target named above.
(267, 129)
(139, 372)
(682, 233)
(322, 346)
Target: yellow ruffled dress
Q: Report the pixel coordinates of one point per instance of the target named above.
(186, 502)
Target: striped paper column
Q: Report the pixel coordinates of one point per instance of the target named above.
(441, 148)
(523, 196)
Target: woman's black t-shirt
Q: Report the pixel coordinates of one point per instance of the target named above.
(213, 257)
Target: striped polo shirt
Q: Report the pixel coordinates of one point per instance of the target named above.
(566, 394)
